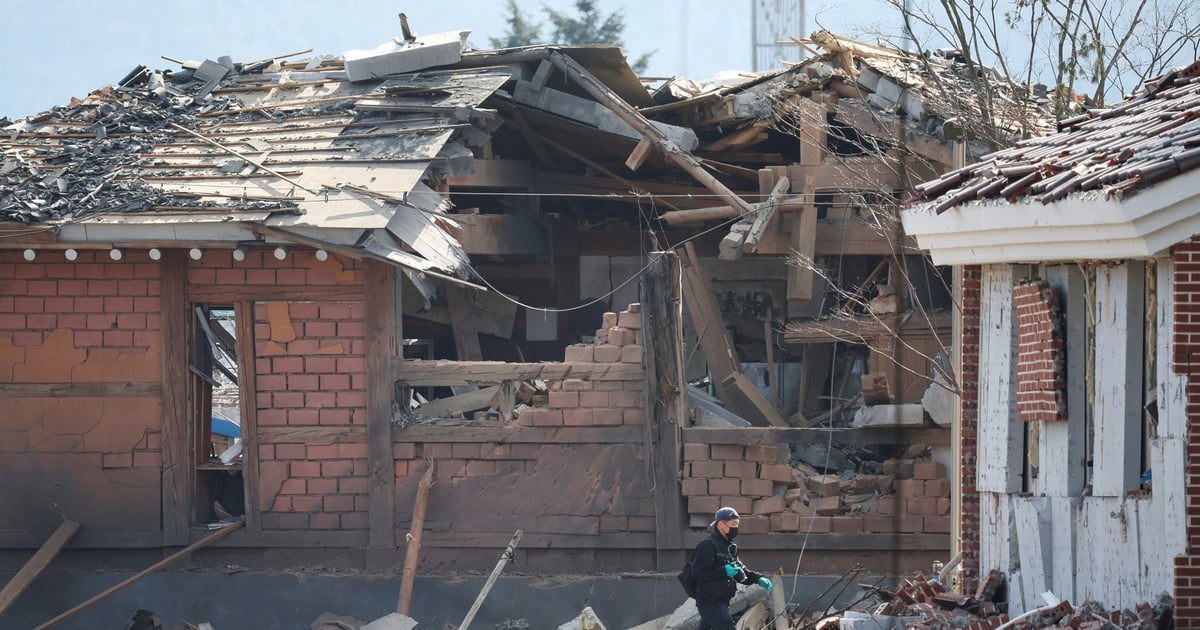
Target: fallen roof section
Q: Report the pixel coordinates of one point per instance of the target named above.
(195, 153)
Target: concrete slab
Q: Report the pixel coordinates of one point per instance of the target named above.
(890, 416)
(394, 621)
(940, 404)
(585, 620)
(398, 57)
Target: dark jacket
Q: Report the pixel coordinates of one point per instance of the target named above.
(708, 563)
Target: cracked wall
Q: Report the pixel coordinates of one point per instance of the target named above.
(81, 423)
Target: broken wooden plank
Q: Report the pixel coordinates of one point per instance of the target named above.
(635, 119)
(413, 549)
(461, 404)
(434, 373)
(765, 214)
(487, 587)
(734, 388)
(716, 213)
(639, 154)
(462, 323)
(36, 564)
(154, 568)
(776, 435)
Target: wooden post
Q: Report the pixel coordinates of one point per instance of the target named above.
(772, 376)
(381, 351)
(154, 568)
(487, 587)
(413, 549)
(247, 395)
(666, 387)
(35, 565)
(176, 425)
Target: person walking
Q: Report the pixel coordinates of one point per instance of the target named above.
(718, 570)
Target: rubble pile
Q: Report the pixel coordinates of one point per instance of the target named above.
(920, 603)
(83, 158)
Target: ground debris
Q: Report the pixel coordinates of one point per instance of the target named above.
(919, 603)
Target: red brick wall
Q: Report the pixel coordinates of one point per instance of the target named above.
(969, 427)
(1186, 343)
(1041, 386)
(88, 322)
(771, 496)
(310, 371)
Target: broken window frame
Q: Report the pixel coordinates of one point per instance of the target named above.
(212, 351)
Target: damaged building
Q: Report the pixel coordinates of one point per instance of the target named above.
(462, 305)
(1074, 259)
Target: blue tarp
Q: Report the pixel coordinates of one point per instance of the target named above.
(221, 426)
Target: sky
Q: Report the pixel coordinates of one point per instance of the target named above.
(54, 50)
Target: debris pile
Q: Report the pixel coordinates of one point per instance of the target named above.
(921, 603)
(905, 495)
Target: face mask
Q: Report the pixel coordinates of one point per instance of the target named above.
(732, 533)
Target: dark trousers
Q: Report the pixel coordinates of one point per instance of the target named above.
(715, 617)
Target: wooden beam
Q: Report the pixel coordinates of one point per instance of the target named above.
(228, 294)
(496, 173)
(522, 435)
(177, 474)
(754, 436)
(665, 401)
(639, 154)
(379, 285)
(248, 402)
(765, 213)
(461, 404)
(157, 566)
(447, 373)
(35, 565)
(635, 119)
(716, 213)
(733, 387)
(509, 554)
(413, 549)
(81, 390)
(803, 229)
(462, 323)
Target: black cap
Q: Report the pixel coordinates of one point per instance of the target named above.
(724, 514)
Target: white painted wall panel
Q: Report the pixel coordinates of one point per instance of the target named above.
(1064, 523)
(1108, 555)
(1117, 405)
(1032, 528)
(1062, 445)
(1000, 432)
(995, 533)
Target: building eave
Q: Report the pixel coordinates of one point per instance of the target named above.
(1090, 226)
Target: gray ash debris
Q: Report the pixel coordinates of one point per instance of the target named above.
(84, 158)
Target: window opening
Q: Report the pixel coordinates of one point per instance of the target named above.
(216, 415)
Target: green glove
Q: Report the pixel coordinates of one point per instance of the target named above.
(732, 569)
(765, 583)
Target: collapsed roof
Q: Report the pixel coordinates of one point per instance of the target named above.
(348, 152)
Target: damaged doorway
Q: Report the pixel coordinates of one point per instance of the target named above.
(215, 414)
